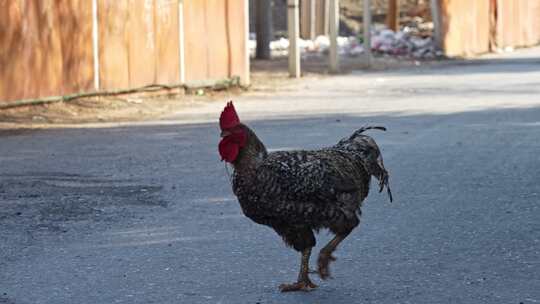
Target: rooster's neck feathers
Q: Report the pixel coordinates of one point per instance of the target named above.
(251, 155)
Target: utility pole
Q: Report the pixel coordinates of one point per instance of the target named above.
(263, 27)
(334, 33)
(293, 25)
(367, 32)
(312, 19)
(437, 29)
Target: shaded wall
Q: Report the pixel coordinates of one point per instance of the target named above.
(47, 47)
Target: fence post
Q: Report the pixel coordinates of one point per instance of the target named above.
(294, 29)
(436, 16)
(312, 19)
(334, 33)
(95, 43)
(326, 14)
(263, 28)
(367, 32)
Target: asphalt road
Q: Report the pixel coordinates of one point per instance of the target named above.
(145, 214)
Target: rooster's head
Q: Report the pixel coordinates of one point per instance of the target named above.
(233, 134)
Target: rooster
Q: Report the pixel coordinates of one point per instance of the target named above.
(300, 192)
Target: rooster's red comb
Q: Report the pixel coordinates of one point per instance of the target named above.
(229, 118)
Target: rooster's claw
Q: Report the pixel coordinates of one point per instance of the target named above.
(298, 286)
(323, 263)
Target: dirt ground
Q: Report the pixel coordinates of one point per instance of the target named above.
(268, 76)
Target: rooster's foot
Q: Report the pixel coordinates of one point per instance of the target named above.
(323, 263)
(304, 285)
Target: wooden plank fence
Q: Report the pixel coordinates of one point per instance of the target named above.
(47, 46)
(475, 27)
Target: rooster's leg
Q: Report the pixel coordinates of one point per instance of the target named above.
(325, 256)
(304, 283)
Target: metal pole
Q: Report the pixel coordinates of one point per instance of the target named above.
(263, 28)
(312, 19)
(334, 32)
(326, 14)
(436, 16)
(95, 43)
(294, 30)
(367, 32)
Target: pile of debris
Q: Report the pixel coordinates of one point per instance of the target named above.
(414, 40)
(404, 44)
(384, 42)
(320, 45)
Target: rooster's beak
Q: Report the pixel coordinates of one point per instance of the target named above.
(225, 133)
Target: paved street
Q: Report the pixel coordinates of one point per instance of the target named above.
(145, 213)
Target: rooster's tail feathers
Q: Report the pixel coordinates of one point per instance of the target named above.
(379, 171)
(383, 180)
(365, 128)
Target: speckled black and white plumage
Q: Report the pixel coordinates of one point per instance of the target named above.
(298, 192)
